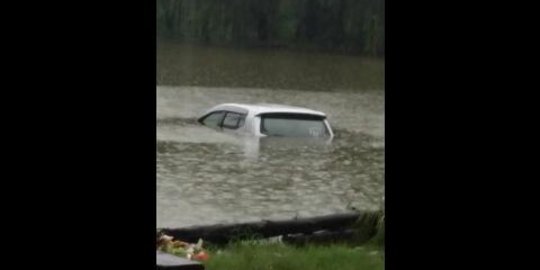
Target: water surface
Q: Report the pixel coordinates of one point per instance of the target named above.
(207, 177)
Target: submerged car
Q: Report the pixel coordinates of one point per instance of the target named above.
(268, 120)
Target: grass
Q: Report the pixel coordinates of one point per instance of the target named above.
(364, 251)
(246, 255)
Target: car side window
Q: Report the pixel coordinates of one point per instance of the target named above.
(233, 120)
(213, 120)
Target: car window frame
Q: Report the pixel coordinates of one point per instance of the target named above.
(237, 126)
(201, 120)
(222, 120)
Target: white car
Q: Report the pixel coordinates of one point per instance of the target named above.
(268, 120)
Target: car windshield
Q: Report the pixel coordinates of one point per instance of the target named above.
(293, 125)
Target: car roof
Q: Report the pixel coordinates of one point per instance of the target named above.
(261, 108)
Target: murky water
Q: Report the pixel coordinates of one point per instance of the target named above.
(207, 177)
(181, 64)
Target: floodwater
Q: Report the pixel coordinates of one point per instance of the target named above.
(180, 64)
(208, 177)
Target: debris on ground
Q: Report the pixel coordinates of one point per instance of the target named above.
(179, 248)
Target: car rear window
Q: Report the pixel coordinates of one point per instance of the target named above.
(293, 125)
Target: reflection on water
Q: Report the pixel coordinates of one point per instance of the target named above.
(207, 177)
(182, 64)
